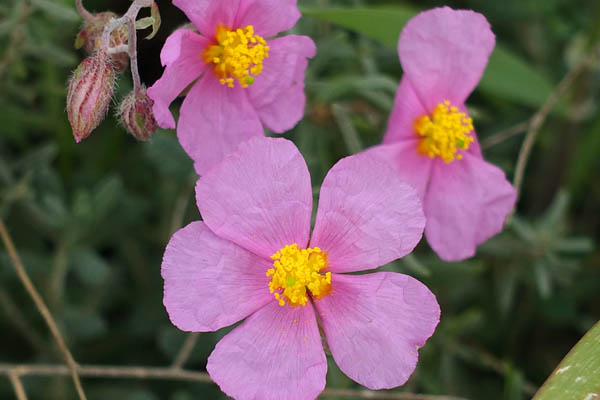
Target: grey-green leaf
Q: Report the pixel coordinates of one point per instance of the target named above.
(578, 374)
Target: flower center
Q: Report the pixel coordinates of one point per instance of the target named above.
(294, 270)
(237, 55)
(445, 133)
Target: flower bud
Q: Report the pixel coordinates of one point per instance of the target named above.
(90, 91)
(91, 35)
(136, 114)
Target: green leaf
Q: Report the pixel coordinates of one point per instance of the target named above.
(511, 78)
(83, 324)
(143, 23)
(155, 15)
(90, 268)
(57, 10)
(507, 75)
(381, 24)
(577, 375)
(583, 171)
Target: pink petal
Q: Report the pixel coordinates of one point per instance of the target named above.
(466, 204)
(180, 56)
(269, 17)
(407, 109)
(367, 216)
(278, 93)
(374, 324)
(275, 354)
(443, 53)
(206, 15)
(411, 167)
(259, 197)
(211, 283)
(214, 120)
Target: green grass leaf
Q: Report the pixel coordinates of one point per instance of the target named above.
(507, 76)
(578, 374)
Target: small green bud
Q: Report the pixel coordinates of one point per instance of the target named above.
(136, 115)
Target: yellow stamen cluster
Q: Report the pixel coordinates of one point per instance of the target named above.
(294, 271)
(237, 55)
(447, 132)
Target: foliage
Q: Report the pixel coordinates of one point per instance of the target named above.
(91, 220)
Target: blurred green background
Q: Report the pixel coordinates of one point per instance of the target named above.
(91, 220)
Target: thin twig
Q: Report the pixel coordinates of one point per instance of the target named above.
(540, 117)
(97, 371)
(17, 385)
(168, 373)
(368, 394)
(41, 306)
(186, 350)
(501, 136)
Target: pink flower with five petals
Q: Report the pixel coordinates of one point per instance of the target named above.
(253, 257)
(430, 137)
(239, 81)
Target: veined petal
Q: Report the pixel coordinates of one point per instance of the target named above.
(206, 15)
(181, 57)
(269, 17)
(466, 203)
(407, 110)
(278, 92)
(210, 282)
(260, 197)
(367, 216)
(275, 354)
(374, 324)
(214, 120)
(411, 167)
(443, 53)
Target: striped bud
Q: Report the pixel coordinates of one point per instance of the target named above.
(91, 34)
(136, 114)
(90, 91)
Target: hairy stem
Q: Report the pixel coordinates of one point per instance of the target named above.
(87, 16)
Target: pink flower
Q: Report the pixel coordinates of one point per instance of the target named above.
(430, 138)
(251, 257)
(240, 81)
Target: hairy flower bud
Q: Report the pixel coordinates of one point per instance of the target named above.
(90, 91)
(136, 114)
(91, 34)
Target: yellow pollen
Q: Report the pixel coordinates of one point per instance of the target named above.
(447, 132)
(295, 270)
(237, 55)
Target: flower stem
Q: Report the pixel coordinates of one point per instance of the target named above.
(87, 16)
(127, 19)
